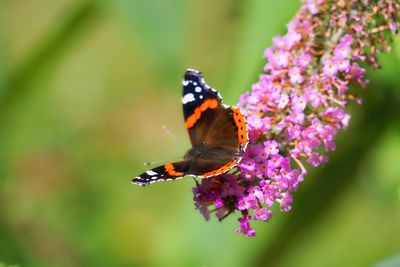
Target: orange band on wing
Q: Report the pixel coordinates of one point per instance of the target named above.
(221, 170)
(208, 104)
(170, 169)
(242, 127)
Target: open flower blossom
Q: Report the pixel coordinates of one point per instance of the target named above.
(298, 105)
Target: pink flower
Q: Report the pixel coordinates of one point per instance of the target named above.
(343, 64)
(286, 202)
(343, 50)
(295, 75)
(255, 192)
(283, 101)
(248, 164)
(312, 6)
(299, 103)
(245, 226)
(304, 60)
(294, 132)
(329, 68)
(271, 147)
(243, 204)
(313, 97)
(314, 159)
(292, 38)
(298, 106)
(282, 58)
(393, 26)
(262, 214)
(296, 117)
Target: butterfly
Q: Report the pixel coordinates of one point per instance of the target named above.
(218, 134)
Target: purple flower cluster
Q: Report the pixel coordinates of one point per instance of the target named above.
(297, 107)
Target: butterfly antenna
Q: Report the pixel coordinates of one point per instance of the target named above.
(165, 128)
(169, 133)
(153, 162)
(158, 162)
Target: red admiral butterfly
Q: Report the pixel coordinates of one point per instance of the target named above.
(218, 134)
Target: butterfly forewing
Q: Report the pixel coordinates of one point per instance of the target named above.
(201, 105)
(196, 92)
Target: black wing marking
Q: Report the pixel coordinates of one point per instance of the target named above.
(195, 92)
(166, 172)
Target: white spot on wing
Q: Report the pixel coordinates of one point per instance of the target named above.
(187, 98)
(151, 173)
(185, 82)
(197, 89)
(201, 96)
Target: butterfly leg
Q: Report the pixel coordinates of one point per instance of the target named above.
(195, 181)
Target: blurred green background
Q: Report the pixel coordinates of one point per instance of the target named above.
(85, 90)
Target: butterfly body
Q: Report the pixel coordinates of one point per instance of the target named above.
(218, 134)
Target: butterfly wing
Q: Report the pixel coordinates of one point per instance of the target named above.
(166, 172)
(223, 144)
(228, 130)
(217, 130)
(201, 105)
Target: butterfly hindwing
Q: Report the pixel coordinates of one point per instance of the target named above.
(228, 131)
(166, 172)
(221, 145)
